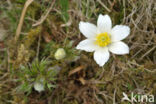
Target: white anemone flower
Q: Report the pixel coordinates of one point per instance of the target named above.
(103, 38)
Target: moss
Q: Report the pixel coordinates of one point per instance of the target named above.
(34, 10)
(23, 56)
(71, 102)
(21, 52)
(31, 37)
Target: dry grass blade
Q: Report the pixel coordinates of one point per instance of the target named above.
(148, 52)
(41, 20)
(47, 37)
(82, 80)
(18, 31)
(76, 70)
(104, 5)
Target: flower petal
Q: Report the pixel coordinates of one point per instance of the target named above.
(104, 23)
(119, 32)
(101, 56)
(118, 48)
(87, 29)
(87, 45)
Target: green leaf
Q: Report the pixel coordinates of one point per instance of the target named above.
(49, 85)
(64, 7)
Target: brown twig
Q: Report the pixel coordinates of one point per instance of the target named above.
(43, 17)
(18, 31)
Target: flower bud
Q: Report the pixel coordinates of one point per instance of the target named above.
(60, 54)
(39, 86)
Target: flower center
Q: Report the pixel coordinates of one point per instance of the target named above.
(103, 39)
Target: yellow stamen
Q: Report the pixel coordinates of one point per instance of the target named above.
(103, 39)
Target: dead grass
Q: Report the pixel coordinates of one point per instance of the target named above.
(80, 81)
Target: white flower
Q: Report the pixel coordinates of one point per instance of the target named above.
(103, 38)
(60, 54)
(38, 86)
